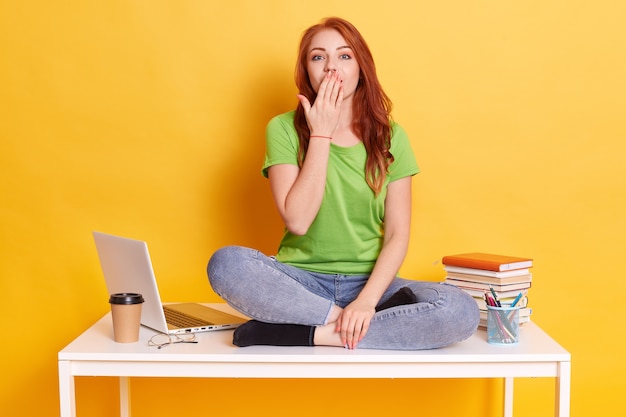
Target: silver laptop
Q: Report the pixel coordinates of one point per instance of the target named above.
(127, 267)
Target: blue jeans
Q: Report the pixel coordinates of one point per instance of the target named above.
(267, 290)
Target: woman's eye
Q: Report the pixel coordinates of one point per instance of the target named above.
(345, 56)
(317, 58)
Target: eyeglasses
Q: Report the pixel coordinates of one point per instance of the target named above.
(161, 340)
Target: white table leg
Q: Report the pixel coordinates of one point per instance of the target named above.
(124, 396)
(563, 382)
(508, 397)
(67, 396)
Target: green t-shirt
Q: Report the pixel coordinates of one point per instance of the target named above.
(347, 234)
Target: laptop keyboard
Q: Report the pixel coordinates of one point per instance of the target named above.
(179, 319)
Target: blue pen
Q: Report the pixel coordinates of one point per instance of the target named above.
(519, 297)
(513, 304)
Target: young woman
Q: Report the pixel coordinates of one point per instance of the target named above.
(340, 172)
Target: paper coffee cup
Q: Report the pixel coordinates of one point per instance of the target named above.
(126, 313)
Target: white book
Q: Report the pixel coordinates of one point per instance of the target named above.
(473, 271)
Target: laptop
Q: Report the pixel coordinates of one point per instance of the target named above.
(127, 267)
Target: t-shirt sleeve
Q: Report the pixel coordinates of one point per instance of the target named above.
(404, 164)
(281, 142)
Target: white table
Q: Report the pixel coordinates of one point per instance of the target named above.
(94, 353)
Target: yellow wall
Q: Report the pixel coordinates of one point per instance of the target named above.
(146, 119)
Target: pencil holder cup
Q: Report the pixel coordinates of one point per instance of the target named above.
(502, 325)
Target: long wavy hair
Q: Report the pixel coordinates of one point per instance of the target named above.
(371, 109)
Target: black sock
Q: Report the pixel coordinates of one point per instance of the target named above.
(258, 333)
(403, 296)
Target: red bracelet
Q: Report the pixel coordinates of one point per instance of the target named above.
(323, 137)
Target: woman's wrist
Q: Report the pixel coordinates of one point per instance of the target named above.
(321, 137)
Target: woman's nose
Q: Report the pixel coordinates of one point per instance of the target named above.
(330, 66)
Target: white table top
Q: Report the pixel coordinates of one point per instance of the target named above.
(97, 344)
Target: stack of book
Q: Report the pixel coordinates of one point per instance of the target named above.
(507, 276)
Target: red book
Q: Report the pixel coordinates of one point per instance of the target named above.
(487, 261)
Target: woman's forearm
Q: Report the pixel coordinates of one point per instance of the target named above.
(298, 195)
(396, 240)
(387, 266)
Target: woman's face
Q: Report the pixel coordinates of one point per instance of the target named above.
(329, 51)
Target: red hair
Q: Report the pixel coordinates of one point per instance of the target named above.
(371, 106)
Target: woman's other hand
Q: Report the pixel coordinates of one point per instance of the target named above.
(354, 322)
